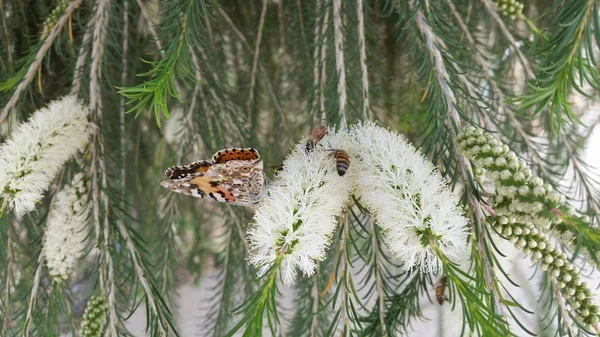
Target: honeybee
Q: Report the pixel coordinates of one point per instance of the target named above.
(315, 136)
(342, 161)
(440, 290)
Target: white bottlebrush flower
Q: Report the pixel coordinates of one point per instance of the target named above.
(36, 151)
(409, 199)
(65, 235)
(298, 216)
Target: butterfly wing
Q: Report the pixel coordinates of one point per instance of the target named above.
(234, 176)
(200, 185)
(244, 179)
(179, 172)
(247, 154)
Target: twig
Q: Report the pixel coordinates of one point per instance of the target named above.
(261, 24)
(156, 39)
(301, 21)
(280, 17)
(560, 300)
(316, 59)
(142, 277)
(466, 174)
(209, 29)
(339, 60)
(223, 276)
(577, 168)
(96, 201)
(213, 93)
(195, 93)
(148, 18)
(377, 273)
(323, 63)
(363, 59)
(100, 21)
(489, 7)
(2, 66)
(6, 36)
(517, 125)
(98, 37)
(113, 318)
(80, 63)
(275, 101)
(9, 258)
(39, 57)
(171, 236)
(124, 65)
(112, 303)
(314, 322)
(344, 273)
(34, 291)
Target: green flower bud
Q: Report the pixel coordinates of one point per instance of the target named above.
(94, 317)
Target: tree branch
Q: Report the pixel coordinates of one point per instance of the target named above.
(34, 291)
(314, 322)
(148, 18)
(80, 63)
(6, 37)
(8, 279)
(363, 59)
(339, 60)
(98, 36)
(39, 57)
(124, 65)
(501, 98)
(142, 277)
(323, 63)
(466, 175)
(261, 24)
(377, 273)
(489, 7)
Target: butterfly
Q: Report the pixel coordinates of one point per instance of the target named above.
(233, 175)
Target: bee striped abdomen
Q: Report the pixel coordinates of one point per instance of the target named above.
(342, 161)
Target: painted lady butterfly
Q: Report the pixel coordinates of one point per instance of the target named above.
(234, 176)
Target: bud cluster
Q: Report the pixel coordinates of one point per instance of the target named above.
(518, 192)
(555, 262)
(525, 209)
(509, 8)
(94, 317)
(52, 18)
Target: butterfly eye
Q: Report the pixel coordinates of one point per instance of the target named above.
(245, 169)
(223, 172)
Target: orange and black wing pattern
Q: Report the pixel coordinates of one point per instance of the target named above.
(247, 154)
(179, 172)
